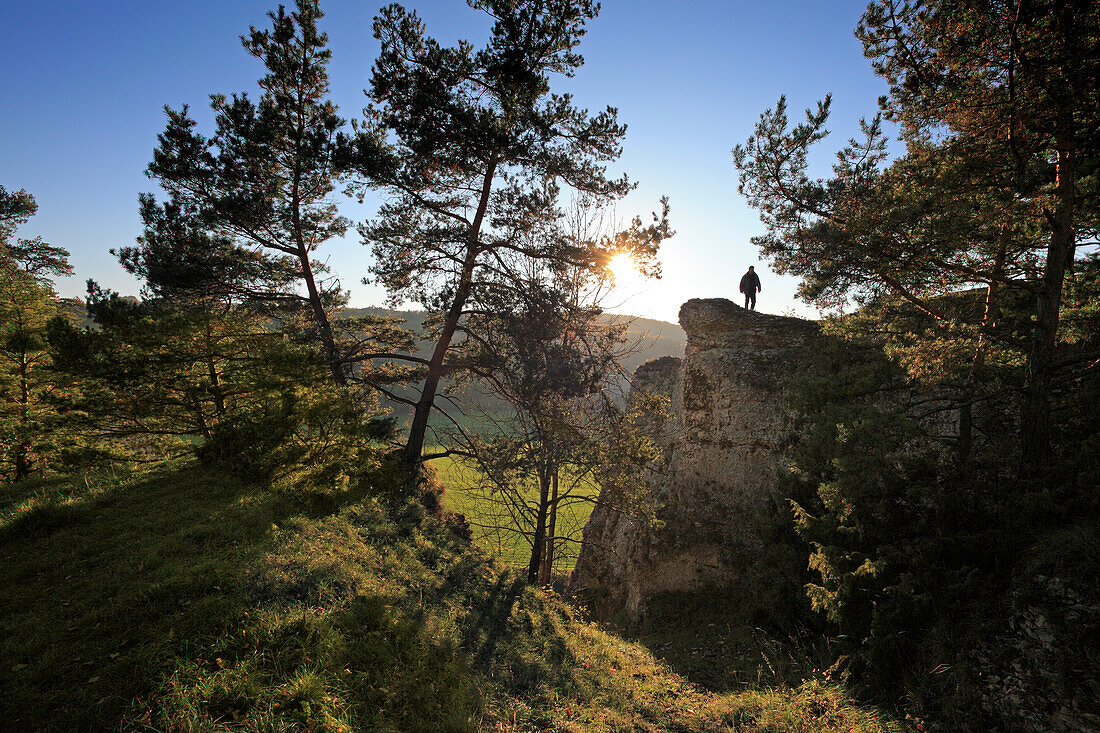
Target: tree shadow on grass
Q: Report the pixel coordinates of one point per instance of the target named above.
(489, 618)
(107, 580)
(518, 637)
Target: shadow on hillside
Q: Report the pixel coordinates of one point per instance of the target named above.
(701, 639)
(491, 620)
(107, 578)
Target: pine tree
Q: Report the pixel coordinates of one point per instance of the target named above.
(998, 112)
(472, 150)
(249, 206)
(32, 431)
(1021, 79)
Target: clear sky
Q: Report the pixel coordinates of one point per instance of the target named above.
(84, 84)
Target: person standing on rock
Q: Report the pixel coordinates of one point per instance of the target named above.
(750, 286)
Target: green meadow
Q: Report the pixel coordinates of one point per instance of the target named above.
(493, 528)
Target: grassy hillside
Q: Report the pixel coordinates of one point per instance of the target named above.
(183, 599)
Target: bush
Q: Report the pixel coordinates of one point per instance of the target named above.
(253, 444)
(316, 435)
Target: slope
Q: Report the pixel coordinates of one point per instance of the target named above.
(178, 598)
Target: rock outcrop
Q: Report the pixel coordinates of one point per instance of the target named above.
(721, 441)
(723, 551)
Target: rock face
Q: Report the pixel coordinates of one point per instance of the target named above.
(721, 442)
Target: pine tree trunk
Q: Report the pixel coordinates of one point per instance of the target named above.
(989, 322)
(538, 543)
(328, 342)
(1035, 430)
(200, 417)
(414, 448)
(546, 568)
(216, 389)
(22, 450)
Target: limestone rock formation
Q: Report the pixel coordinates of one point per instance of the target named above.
(722, 455)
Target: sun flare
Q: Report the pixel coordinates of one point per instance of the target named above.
(623, 268)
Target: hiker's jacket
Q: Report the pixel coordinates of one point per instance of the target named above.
(750, 283)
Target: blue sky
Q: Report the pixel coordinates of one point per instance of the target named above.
(84, 85)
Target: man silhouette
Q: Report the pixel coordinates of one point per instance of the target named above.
(750, 285)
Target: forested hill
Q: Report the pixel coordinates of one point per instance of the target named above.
(653, 338)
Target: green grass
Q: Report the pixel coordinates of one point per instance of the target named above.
(181, 599)
(494, 530)
(184, 597)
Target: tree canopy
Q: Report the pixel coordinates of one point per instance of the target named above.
(996, 189)
(33, 432)
(250, 205)
(473, 150)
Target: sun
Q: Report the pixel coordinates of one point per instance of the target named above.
(623, 268)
